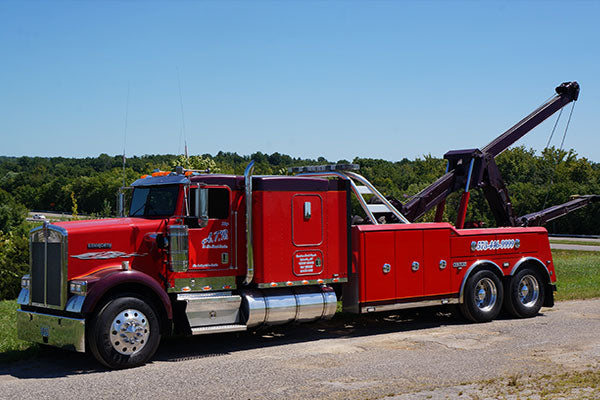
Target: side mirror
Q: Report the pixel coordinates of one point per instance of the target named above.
(201, 207)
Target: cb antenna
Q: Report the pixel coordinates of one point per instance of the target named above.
(121, 195)
(125, 131)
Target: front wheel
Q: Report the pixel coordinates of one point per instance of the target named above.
(483, 294)
(525, 294)
(124, 333)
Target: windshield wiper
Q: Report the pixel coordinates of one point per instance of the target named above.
(134, 214)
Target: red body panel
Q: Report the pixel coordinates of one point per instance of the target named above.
(289, 246)
(397, 263)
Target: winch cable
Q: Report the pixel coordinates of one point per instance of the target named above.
(554, 129)
(562, 142)
(536, 170)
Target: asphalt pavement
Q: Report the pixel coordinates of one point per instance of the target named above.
(593, 246)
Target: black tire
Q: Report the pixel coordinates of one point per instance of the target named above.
(483, 294)
(124, 333)
(525, 294)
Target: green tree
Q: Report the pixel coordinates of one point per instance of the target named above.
(14, 263)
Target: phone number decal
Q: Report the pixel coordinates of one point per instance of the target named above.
(504, 244)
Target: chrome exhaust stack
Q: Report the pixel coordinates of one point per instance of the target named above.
(249, 246)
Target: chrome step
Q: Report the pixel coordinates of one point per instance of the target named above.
(218, 309)
(378, 208)
(363, 190)
(204, 330)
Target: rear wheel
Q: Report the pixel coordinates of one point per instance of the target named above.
(525, 294)
(124, 333)
(483, 294)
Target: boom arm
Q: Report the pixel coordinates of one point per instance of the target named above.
(477, 168)
(541, 217)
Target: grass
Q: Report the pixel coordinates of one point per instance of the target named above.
(579, 242)
(578, 274)
(12, 348)
(569, 385)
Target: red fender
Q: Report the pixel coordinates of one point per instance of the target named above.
(104, 283)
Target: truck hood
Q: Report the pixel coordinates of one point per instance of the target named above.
(103, 243)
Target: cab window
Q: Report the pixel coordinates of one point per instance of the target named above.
(218, 203)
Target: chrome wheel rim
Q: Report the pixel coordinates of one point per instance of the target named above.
(485, 294)
(528, 291)
(129, 332)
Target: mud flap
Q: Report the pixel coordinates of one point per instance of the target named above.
(549, 300)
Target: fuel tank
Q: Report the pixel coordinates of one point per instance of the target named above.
(282, 305)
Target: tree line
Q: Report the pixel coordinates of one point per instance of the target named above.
(89, 186)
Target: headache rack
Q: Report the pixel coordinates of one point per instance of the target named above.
(360, 190)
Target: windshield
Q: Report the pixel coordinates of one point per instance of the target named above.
(154, 201)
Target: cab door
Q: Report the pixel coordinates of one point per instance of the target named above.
(210, 245)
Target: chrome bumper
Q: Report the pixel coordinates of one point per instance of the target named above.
(63, 332)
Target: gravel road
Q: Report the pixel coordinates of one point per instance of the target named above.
(347, 358)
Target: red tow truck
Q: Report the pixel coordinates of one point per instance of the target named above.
(203, 253)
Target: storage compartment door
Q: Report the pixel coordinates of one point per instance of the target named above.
(379, 267)
(437, 262)
(409, 256)
(307, 220)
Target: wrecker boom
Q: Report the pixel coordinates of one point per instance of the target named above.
(477, 168)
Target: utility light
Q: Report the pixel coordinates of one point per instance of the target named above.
(78, 287)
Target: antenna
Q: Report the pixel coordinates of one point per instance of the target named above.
(125, 131)
(121, 196)
(182, 117)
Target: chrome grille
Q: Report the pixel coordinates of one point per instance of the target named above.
(48, 261)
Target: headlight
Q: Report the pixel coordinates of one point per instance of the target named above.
(25, 280)
(78, 287)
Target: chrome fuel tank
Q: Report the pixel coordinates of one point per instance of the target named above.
(283, 305)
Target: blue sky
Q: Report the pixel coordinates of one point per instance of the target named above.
(334, 79)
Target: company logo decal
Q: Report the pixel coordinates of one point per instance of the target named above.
(215, 240)
(106, 255)
(459, 264)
